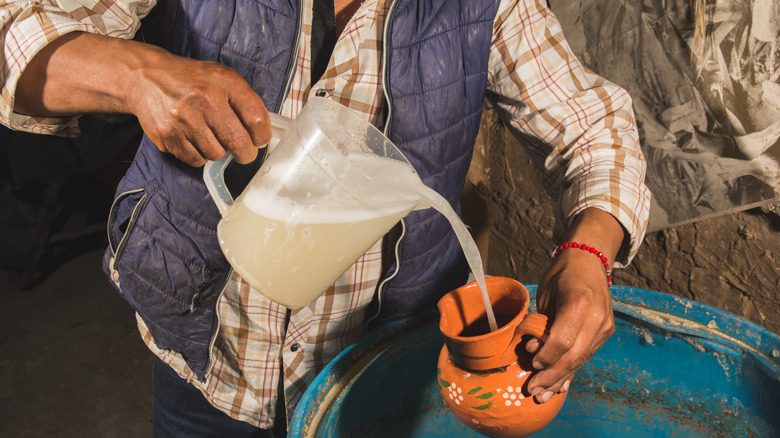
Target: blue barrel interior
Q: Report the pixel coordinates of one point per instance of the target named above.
(674, 367)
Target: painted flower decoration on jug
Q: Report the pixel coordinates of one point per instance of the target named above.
(509, 396)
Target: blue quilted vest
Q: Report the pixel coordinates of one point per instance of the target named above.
(163, 253)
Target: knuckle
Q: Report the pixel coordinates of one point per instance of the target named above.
(178, 115)
(199, 97)
(164, 128)
(600, 319)
(255, 121)
(604, 322)
(262, 139)
(610, 331)
(211, 151)
(193, 158)
(608, 328)
(234, 138)
(225, 74)
(563, 343)
(581, 300)
(220, 69)
(179, 106)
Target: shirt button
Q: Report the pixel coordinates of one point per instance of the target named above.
(295, 347)
(115, 275)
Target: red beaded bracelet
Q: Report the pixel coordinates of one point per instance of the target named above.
(591, 250)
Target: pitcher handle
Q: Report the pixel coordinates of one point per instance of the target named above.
(214, 171)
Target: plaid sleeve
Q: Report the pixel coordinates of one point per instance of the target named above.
(28, 26)
(579, 128)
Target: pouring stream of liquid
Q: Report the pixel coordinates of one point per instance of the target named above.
(470, 249)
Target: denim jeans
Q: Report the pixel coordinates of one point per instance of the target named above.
(181, 411)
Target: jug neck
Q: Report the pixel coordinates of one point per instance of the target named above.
(485, 352)
(500, 348)
(463, 323)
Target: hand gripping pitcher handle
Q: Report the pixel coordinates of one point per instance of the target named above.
(214, 171)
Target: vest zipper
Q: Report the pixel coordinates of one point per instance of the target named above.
(133, 217)
(380, 288)
(291, 65)
(216, 330)
(385, 39)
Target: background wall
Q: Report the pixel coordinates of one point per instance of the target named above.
(708, 112)
(730, 262)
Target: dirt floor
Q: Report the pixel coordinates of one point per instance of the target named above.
(72, 363)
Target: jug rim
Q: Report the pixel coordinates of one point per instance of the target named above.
(508, 326)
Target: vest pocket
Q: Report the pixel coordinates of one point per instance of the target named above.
(122, 216)
(165, 261)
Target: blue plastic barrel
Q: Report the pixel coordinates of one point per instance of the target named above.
(673, 368)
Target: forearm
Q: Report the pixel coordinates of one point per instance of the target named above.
(82, 73)
(196, 110)
(29, 27)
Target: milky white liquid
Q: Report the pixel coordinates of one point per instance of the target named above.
(294, 263)
(292, 248)
(470, 249)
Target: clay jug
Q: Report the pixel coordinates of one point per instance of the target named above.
(482, 374)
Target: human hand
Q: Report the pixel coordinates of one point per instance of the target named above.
(574, 294)
(198, 110)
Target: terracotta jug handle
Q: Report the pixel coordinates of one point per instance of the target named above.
(534, 324)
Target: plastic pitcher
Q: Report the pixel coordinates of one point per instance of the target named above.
(331, 186)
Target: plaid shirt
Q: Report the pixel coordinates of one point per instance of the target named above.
(589, 151)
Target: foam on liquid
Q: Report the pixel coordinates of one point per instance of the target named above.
(325, 201)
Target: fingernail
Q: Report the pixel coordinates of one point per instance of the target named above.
(565, 387)
(538, 365)
(532, 346)
(536, 391)
(546, 396)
